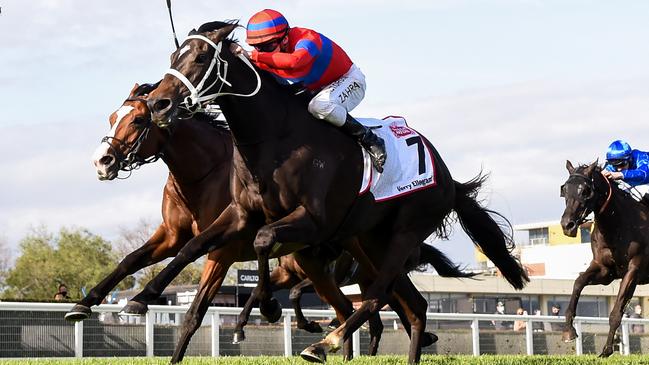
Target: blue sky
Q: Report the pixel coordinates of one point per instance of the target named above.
(511, 87)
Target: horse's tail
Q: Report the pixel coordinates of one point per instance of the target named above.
(442, 264)
(494, 239)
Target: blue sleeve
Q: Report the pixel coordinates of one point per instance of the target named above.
(639, 175)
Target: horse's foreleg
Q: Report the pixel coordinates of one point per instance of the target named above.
(279, 279)
(296, 296)
(584, 279)
(298, 226)
(214, 271)
(627, 287)
(224, 229)
(161, 244)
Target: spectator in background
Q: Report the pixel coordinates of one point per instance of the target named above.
(520, 325)
(637, 313)
(555, 311)
(501, 325)
(62, 293)
(537, 326)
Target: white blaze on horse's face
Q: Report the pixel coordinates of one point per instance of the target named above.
(103, 160)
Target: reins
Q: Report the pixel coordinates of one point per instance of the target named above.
(608, 197)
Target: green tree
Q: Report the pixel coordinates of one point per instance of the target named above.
(74, 257)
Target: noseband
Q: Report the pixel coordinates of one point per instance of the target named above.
(131, 160)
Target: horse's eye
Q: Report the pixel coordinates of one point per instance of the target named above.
(585, 192)
(201, 58)
(139, 121)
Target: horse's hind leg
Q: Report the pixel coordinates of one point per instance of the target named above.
(594, 272)
(415, 307)
(401, 246)
(162, 244)
(627, 287)
(214, 271)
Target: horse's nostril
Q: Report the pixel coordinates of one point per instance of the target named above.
(107, 160)
(161, 105)
(570, 225)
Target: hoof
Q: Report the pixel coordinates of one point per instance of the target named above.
(569, 336)
(314, 354)
(272, 311)
(334, 323)
(311, 327)
(239, 336)
(428, 338)
(78, 313)
(133, 308)
(606, 352)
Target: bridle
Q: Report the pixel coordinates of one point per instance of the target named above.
(588, 202)
(130, 160)
(200, 95)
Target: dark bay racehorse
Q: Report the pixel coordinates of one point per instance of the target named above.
(619, 241)
(192, 199)
(295, 180)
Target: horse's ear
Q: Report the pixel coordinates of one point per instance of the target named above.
(589, 170)
(144, 89)
(569, 166)
(222, 33)
(134, 89)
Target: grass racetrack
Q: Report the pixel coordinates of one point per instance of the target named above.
(363, 360)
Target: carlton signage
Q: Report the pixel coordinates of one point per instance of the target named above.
(247, 277)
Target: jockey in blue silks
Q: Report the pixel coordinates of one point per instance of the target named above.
(626, 164)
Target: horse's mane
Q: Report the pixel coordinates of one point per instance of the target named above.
(215, 25)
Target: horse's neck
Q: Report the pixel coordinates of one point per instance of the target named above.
(194, 150)
(620, 213)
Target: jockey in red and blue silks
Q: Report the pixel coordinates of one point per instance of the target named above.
(304, 56)
(626, 164)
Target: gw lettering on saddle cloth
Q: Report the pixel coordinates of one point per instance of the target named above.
(409, 166)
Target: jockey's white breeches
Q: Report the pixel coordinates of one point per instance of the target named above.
(335, 100)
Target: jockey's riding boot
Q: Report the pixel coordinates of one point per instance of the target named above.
(372, 143)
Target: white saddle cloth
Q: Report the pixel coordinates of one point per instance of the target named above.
(409, 166)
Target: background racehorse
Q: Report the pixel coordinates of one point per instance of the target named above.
(134, 140)
(619, 241)
(290, 185)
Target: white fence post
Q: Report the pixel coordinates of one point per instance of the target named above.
(78, 339)
(288, 345)
(475, 337)
(579, 344)
(626, 347)
(148, 332)
(529, 337)
(216, 331)
(356, 343)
